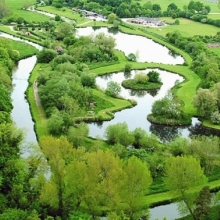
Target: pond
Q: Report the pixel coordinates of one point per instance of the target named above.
(146, 49)
(137, 116)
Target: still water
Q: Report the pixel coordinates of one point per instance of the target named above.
(146, 49)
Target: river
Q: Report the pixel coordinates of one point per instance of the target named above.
(21, 115)
(136, 117)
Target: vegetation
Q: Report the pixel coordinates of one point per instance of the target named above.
(143, 81)
(105, 178)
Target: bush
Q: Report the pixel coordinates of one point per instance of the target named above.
(113, 89)
(215, 117)
(128, 67)
(141, 78)
(154, 76)
(46, 55)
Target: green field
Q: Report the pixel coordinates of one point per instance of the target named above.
(180, 3)
(68, 13)
(187, 28)
(216, 50)
(16, 6)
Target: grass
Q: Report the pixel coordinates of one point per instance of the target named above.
(37, 112)
(167, 197)
(132, 84)
(16, 6)
(114, 105)
(66, 12)
(7, 30)
(25, 50)
(187, 28)
(180, 3)
(216, 50)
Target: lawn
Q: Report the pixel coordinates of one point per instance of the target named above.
(68, 13)
(180, 3)
(187, 28)
(16, 8)
(216, 50)
(37, 112)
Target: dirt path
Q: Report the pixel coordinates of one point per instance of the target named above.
(36, 95)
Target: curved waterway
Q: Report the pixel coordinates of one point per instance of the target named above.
(21, 111)
(137, 116)
(146, 49)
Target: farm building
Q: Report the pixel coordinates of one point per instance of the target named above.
(147, 21)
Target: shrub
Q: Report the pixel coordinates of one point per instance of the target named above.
(128, 67)
(154, 76)
(215, 117)
(141, 78)
(113, 89)
(46, 55)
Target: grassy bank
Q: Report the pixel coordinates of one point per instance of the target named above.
(37, 112)
(187, 28)
(16, 7)
(131, 84)
(66, 12)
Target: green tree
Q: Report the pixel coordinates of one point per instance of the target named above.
(57, 3)
(119, 133)
(203, 203)
(59, 153)
(5, 101)
(181, 175)
(77, 135)
(154, 76)
(205, 102)
(141, 77)
(111, 18)
(136, 185)
(113, 89)
(46, 55)
(4, 10)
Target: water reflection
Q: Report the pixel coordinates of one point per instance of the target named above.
(165, 133)
(138, 93)
(148, 50)
(198, 129)
(136, 116)
(113, 30)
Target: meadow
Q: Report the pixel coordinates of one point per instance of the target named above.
(68, 13)
(187, 28)
(16, 6)
(181, 3)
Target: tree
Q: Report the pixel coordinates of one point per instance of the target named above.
(141, 77)
(57, 3)
(181, 175)
(111, 18)
(136, 185)
(46, 55)
(5, 101)
(119, 133)
(59, 153)
(104, 182)
(4, 11)
(77, 135)
(64, 30)
(154, 76)
(131, 57)
(113, 89)
(203, 203)
(205, 102)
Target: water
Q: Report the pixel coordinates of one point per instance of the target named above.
(170, 211)
(137, 116)
(146, 49)
(21, 112)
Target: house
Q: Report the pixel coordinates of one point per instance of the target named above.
(147, 21)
